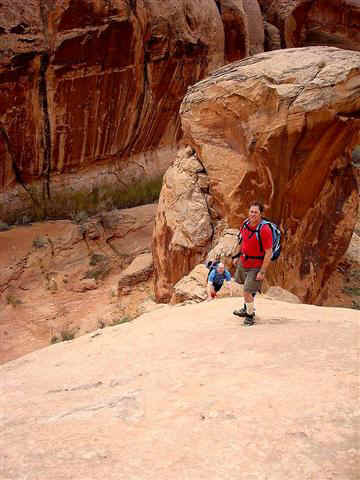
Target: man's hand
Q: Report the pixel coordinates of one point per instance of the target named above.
(260, 276)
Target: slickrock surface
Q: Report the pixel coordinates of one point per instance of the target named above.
(315, 22)
(59, 278)
(91, 89)
(278, 127)
(186, 392)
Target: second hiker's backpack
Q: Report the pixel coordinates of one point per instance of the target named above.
(212, 265)
(276, 236)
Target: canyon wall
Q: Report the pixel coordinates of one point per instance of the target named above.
(315, 22)
(95, 86)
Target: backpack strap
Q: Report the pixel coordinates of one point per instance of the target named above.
(258, 235)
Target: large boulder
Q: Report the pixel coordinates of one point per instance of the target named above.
(94, 87)
(139, 270)
(278, 127)
(315, 22)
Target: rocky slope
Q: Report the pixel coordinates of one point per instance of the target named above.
(60, 279)
(280, 128)
(186, 392)
(95, 86)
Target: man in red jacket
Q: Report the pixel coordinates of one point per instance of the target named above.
(253, 262)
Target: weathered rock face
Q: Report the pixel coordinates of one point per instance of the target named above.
(87, 82)
(183, 229)
(243, 27)
(316, 22)
(278, 127)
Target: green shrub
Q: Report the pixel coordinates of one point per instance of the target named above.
(4, 226)
(78, 205)
(13, 301)
(67, 335)
(121, 320)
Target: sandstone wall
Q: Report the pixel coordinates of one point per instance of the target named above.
(315, 22)
(87, 82)
(278, 127)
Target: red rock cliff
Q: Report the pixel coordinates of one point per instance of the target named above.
(87, 82)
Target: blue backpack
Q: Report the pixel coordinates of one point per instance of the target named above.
(276, 237)
(212, 265)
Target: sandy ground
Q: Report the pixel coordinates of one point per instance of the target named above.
(186, 392)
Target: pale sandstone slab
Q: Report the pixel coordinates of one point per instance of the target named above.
(188, 393)
(278, 293)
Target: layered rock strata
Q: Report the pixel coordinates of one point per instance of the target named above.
(99, 83)
(278, 127)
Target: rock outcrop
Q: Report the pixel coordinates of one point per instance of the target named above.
(278, 127)
(95, 86)
(183, 229)
(139, 270)
(315, 22)
(187, 393)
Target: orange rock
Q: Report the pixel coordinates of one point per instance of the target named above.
(278, 127)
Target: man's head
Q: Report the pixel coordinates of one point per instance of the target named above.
(220, 268)
(255, 212)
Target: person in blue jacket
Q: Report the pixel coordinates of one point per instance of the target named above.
(216, 278)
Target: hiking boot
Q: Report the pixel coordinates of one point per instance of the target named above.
(249, 320)
(240, 313)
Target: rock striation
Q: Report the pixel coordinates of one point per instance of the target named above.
(277, 127)
(88, 83)
(315, 22)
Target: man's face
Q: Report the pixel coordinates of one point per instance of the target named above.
(221, 269)
(254, 214)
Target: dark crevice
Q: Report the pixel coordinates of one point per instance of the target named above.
(139, 109)
(26, 40)
(19, 29)
(46, 140)
(218, 5)
(132, 4)
(355, 114)
(17, 173)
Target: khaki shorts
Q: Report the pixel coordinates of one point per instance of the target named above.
(247, 276)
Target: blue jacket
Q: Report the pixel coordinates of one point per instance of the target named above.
(217, 278)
